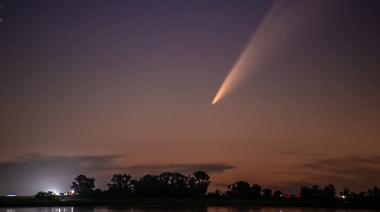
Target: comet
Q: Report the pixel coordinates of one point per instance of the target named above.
(283, 20)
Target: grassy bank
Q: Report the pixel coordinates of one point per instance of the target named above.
(32, 202)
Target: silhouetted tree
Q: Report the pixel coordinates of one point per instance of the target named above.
(120, 185)
(310, 193)
(199, 182)
(173, 184)
(83, 186)
(267, 193)
(256, 191)
(168, 188)
(240, 189)
(40, 195)
(374, 193)
(328, 192)
(316, 191)
(169, 184)
(217, 194)
(277, 194)
(362, 195)
(45, 195)
(345, 192)
(148, 186)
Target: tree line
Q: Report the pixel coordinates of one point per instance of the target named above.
(177, 185)
(166, 184)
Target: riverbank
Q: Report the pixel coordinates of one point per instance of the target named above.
(32, 202)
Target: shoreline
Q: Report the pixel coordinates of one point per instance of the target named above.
(169, 202)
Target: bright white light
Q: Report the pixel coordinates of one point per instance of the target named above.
(55, 192)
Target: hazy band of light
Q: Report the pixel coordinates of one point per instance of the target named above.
(283, 19)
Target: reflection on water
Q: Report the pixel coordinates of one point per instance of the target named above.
(175, 209)
(38, 209)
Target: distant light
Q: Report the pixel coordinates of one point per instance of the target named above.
(54, 191)
(343, 196)
(11, 195)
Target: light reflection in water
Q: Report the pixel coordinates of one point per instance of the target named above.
(174, 209)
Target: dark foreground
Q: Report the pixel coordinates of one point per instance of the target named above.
(30, 202)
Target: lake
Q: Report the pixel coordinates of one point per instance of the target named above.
(174, 209)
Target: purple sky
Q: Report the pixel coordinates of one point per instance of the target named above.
(108, 87)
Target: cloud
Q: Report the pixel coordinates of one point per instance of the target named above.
(352, 169)
(300, 154)
(34, 172)
(182, 168)
(356, 172)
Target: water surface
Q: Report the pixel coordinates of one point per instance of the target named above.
(174, 209)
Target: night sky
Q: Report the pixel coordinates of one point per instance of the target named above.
(113, 87)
